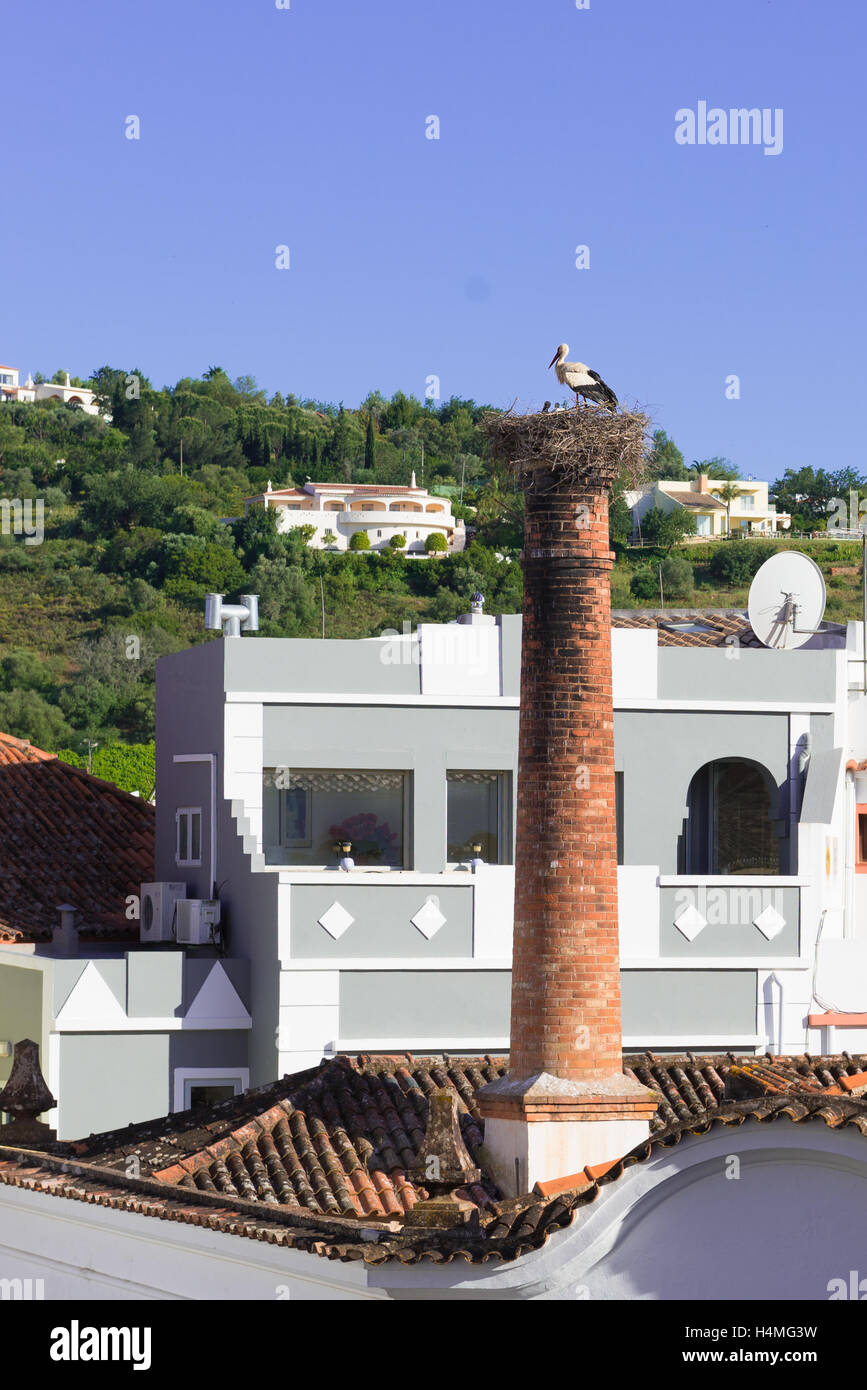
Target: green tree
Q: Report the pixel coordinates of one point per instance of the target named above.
(360, 540)
(435, 543)
(809, 495)
(29, 715)
(257, 534)
(665, 460)
(678, 581)
(397, 541)
(716, 467)
(728, 493)
(667, 529)
(734, 565)
(644, 584)
(620, 524)
(370, 444)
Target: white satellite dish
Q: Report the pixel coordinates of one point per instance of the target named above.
(787, 600)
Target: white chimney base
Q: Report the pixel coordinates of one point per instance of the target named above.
(542, 1128)
(518, 1155)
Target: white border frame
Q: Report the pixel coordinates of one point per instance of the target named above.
(181, 1075)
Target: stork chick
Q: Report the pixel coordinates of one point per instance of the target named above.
(582, 379)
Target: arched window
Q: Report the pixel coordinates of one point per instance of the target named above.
(731, 821)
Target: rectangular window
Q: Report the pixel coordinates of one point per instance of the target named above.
(479, 813)
(310, 814)
(198, 1086)
(188, 820)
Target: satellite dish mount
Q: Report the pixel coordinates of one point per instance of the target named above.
(787, 600)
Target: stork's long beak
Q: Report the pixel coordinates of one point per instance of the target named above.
(554, 359)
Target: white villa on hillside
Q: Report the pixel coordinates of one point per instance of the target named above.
(12, 390)
(339, 510)
(750, 511)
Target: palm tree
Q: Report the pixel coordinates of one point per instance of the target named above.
(727, 492)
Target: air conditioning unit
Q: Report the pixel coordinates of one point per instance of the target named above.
(157, 906)
(195, 920)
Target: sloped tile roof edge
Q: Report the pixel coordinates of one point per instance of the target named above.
(526, 1223)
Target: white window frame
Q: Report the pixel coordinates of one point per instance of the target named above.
(188, 812)
(505, 793)
(239, 1077)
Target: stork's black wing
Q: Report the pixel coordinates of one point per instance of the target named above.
(605, 391)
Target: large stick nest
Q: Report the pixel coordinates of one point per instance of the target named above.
(584, 445)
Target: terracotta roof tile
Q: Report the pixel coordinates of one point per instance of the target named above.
(694, 499)
(318, 1160)
(66, 836)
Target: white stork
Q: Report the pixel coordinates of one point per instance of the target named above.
(582, 380)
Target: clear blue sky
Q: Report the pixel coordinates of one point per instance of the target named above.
(454, 257)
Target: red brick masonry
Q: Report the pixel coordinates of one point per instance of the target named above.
(565, 1025)
(566, 983)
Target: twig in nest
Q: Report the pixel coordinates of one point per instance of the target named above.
(545, 452)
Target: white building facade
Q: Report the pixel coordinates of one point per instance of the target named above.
(749, 513)
(742, 809)
(12, 390)
(338, 511)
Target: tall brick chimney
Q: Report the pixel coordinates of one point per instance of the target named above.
(565, 1102)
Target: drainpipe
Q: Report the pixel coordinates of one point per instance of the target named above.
(211, 760)
(775, 979)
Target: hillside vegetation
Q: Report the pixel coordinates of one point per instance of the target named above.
(139, 526)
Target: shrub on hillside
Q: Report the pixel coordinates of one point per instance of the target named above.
(128, 765)
(644, 584)
(734, 563)
(678, 582)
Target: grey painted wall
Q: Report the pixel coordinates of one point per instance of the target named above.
(429, 1004)
(671, 1002)
(425, 742)
(195, 1049)
(730, 930)
(308, 664)
(659, 752)
(249, 914)
(109, 1080)
(382, 925)
(455, 1003)
(698, 673)
(155, 983)
(189, 719)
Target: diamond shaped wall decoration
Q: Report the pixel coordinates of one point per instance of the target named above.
(769, 922)
(428, 919)
(335, 920)
(690, 922)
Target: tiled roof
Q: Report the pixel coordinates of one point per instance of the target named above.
(702, 627)
(695, 499)
(690, 627)
(318, 1161)
(67, 837)
(369, 487)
